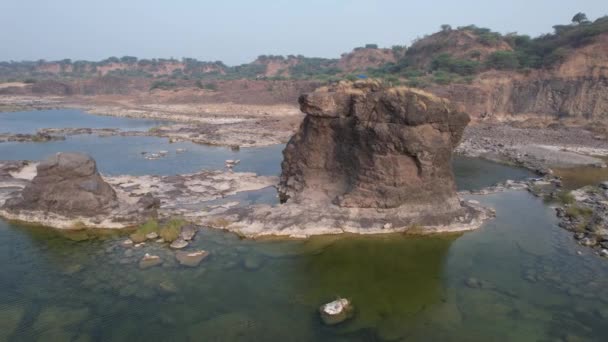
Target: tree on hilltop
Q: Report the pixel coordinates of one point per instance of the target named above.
(580, 18)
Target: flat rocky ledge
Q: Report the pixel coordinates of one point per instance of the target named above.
(191, 196)
(303, 220)
(203, 198)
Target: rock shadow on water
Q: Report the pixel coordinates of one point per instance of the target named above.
(389, 279)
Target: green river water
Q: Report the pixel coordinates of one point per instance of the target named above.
(518, 278)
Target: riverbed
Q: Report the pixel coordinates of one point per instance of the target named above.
(518, 278)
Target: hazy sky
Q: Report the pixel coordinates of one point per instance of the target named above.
(238, 31)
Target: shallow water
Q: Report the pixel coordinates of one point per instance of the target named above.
(31, 121)
(534, 286)
(518, 278)
(118, 155)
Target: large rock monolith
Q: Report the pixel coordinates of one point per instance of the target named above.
(365, 145)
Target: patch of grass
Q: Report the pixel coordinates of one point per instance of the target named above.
(140, 234)
(565, 197)
(164, 85)
(576, 211)
(170, 231)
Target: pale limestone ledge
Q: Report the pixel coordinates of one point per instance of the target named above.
(305, 220)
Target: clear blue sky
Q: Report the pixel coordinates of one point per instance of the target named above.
(239, 30)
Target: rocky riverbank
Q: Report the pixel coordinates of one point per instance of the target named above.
(585, 213)
(539, 148)
(544, 150)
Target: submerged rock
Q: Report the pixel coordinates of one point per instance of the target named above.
(188, 232)
(191, 259)
(337, 311)
(150, 261)
(10, 316)
(179, 244)
(252, 262)
(67, 184)
(168, 287)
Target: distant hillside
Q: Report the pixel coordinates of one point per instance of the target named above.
(561, 74)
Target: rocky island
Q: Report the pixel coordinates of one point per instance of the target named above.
(368, 158)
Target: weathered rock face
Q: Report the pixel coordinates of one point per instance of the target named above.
(551, 97)
(67, 184)
(368, 146)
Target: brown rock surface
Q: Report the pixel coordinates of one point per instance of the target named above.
(67, 184)
(364, 145)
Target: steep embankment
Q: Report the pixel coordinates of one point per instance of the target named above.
(576, 88)
(487, 77)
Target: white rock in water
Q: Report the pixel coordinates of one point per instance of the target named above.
(127, 243)
(232, 163)
(335, 307)
(337, 311)
(180, 150)
(604, 253)
(149, 261)
(191, 259)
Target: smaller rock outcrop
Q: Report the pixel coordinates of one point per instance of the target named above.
(149, 261)
(66, 191)
(67, 184)
(191, 259)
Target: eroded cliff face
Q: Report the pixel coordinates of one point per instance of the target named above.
(577, 88)
(553, 97)
(363, 145)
